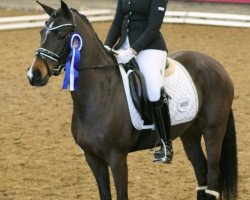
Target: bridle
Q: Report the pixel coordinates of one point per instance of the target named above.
(45, 54)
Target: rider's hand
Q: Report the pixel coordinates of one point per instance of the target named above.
(125, 56)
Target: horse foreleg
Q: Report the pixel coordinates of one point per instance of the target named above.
(119, 168)
(191, 140)
(101, 173)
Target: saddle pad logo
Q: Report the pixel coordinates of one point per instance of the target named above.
(184, 105)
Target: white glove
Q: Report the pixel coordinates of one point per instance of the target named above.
(125, 56)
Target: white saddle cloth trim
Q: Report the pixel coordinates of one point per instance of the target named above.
(183, 105)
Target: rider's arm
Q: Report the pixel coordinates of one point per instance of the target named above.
(116, 27)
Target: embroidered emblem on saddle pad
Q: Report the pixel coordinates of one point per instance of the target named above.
(183, 105)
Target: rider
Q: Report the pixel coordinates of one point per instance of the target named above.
(137, 26)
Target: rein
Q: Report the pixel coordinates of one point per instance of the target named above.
(100, 67)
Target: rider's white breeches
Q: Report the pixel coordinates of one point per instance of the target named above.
(152, 65)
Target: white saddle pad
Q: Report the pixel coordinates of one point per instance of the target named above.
(183, 105)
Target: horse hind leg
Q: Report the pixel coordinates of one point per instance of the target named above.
(191, 141)
(220, 141)
(101, 173)
(214, 132)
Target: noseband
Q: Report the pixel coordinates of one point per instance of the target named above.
(47, 54)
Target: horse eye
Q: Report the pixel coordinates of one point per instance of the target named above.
(54, 15)
(61, 35)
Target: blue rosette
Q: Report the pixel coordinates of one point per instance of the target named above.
(71, 76)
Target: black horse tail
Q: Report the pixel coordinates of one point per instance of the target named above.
(229, 162)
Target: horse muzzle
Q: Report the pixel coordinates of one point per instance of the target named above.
(39, 72)
(35, 77)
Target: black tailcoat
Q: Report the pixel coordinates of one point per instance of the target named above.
(141, 20)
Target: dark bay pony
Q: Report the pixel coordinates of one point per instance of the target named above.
(101, 123)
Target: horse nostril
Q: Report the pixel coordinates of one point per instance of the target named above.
(37, 76)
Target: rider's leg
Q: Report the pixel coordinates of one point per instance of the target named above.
(163, 126)
(152, 65)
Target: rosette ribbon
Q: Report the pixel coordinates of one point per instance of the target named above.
(71, 76)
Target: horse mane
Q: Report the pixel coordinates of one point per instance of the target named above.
(85, 19)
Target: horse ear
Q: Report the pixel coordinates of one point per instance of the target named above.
(47, 9)
(65, 8)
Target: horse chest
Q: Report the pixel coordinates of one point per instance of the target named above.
(89, 137)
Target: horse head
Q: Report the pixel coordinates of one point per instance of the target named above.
(54, 47)
(56, 43)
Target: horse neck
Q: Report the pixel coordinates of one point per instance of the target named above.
(97, 83)
(93, 52)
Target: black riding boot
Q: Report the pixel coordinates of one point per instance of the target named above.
(162, 124)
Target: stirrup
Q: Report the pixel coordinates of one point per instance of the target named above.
(163, 155)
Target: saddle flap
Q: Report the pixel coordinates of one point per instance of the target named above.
(138, 91)
(135, 89)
